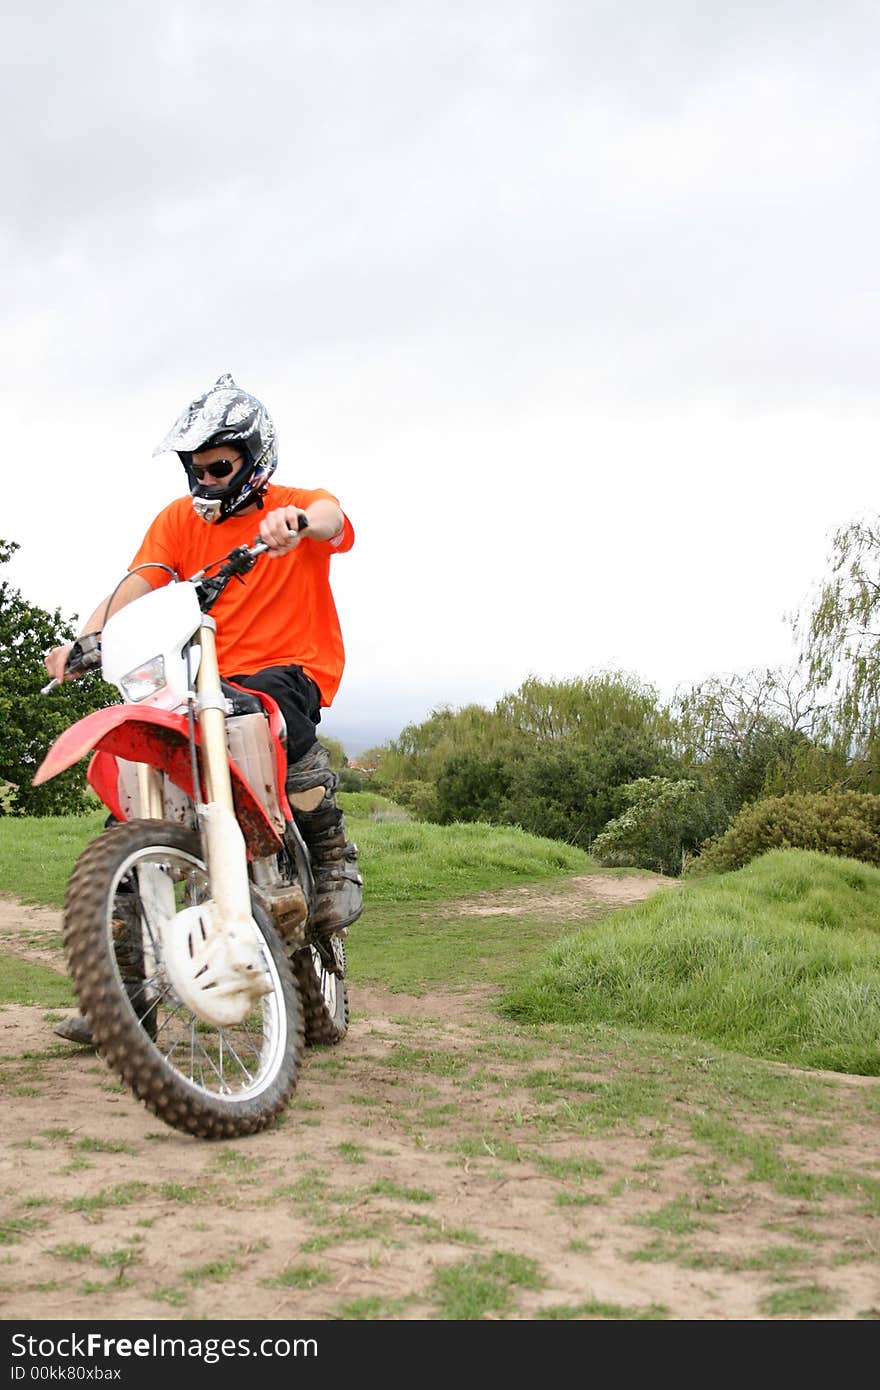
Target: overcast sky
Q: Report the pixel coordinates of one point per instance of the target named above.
(573, 304)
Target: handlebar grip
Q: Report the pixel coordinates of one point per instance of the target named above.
(261, 547)
(84, 655)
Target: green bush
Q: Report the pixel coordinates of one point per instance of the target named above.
(664, 822)
(29, 721)
(470, 787)
(569, 791)
(841, 823)
(351, 779)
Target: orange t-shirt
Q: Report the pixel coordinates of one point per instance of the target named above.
(283, 614)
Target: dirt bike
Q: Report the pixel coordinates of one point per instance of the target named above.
(186, 922)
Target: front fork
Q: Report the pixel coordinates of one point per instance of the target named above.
(221, 834)
(211, 716)
(211, 949)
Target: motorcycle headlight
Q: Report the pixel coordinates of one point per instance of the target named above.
(144, 680)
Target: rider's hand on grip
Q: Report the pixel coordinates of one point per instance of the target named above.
(82, 655)
(302, 524)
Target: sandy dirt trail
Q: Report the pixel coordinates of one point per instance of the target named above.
(439, 1149)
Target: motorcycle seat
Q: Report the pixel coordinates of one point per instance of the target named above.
(242, 701)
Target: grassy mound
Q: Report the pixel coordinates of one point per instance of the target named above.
(779, 960)
(404, 861)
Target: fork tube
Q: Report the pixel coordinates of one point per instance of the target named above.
(150, 792)
(212, 721)
(222, 835)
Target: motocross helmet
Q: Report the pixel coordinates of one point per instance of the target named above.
(225, 415)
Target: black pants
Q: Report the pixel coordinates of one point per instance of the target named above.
(298, 698)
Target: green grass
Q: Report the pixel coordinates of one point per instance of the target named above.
(37, 853)
(483, 1286)
(302, 1276)
(408, 866)
(595, 1310)
(802, 1301)
(216, 1271)
(408, 861)
(780, 935)
(779, 960)
(402, 861)
(372, 806)
(24, 982)
(416, 947)
(385, 1188)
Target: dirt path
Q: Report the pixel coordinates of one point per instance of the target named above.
(442, 1163)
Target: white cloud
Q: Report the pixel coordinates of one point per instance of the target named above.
(573, 305)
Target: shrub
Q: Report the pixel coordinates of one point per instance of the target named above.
(841, 823)
(569, 791)
(418, 797)
(664, 821)
(351, 779)
(470, 787)
(29, 723)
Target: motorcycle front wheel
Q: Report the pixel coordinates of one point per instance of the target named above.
(210, 1081)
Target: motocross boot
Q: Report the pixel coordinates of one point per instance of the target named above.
(75, 1029)
(311, 790)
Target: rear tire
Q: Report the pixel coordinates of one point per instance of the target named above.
(324, 998)
(217, 1083)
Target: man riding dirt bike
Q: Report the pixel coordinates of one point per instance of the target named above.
(280, 636)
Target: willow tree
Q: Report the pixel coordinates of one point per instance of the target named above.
(840, 637)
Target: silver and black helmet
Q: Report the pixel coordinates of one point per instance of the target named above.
(225, 415)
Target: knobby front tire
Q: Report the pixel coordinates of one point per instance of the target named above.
(216, 1083)
(324, 998)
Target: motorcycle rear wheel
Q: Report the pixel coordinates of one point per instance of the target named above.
(213, 1082)
(324, 998)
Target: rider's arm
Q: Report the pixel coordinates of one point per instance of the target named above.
(278, 527)
(135, 586)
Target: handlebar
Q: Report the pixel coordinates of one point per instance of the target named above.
(237, 563)
(85, 654)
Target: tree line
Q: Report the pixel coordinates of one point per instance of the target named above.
(602, 762)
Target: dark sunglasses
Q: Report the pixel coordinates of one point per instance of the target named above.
(222, 469)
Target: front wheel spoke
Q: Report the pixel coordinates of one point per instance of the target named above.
(212, 1065)
(192, 1047)
(169, 1017)
(143, 915)
(203, 1067)
(243, 1068)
